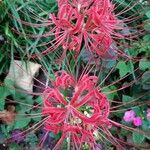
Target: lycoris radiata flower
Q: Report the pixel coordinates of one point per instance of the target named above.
(76, 109)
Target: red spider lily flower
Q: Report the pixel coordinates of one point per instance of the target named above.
(83, 23)
(75, 108)
(92, 22)
(93, 25)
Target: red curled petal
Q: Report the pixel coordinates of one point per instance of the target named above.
(52, 110)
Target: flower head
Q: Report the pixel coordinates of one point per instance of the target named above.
(137, 121)
(75, 107)
(148, 113)
(129, 116)
(148, 116)
(92, 23)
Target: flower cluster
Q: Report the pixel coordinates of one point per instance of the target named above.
(91, 22)
(75, 108)
(130, 116)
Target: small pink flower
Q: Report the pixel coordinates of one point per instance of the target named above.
(129, 116)
(137, 121)
(148, 114)
(148, 110)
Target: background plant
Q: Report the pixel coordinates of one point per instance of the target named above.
(131, 72)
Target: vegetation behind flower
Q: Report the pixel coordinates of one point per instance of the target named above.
(95, 100)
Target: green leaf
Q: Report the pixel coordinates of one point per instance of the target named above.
(145, 126)
(3, 10)
(32, 140)
(146, 38)
(20, 96)
(38, 117)
(109, 89)
(14, 146)
(3, 128)
(51, 134)
(4, 132)
(147, 27)
(39, 100)
(10, 85)
(137, 110)
(148, 14)
(138, 138)
(126, 98)
(146, 80)
(123, 68)
(146, 77)
(124, 132)
(144, 64)
(10, 127)
(57, 136)
(23, 108)
(21, 122)
(108, 63)
(64, 145)
(3, 93)
(26, 102)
